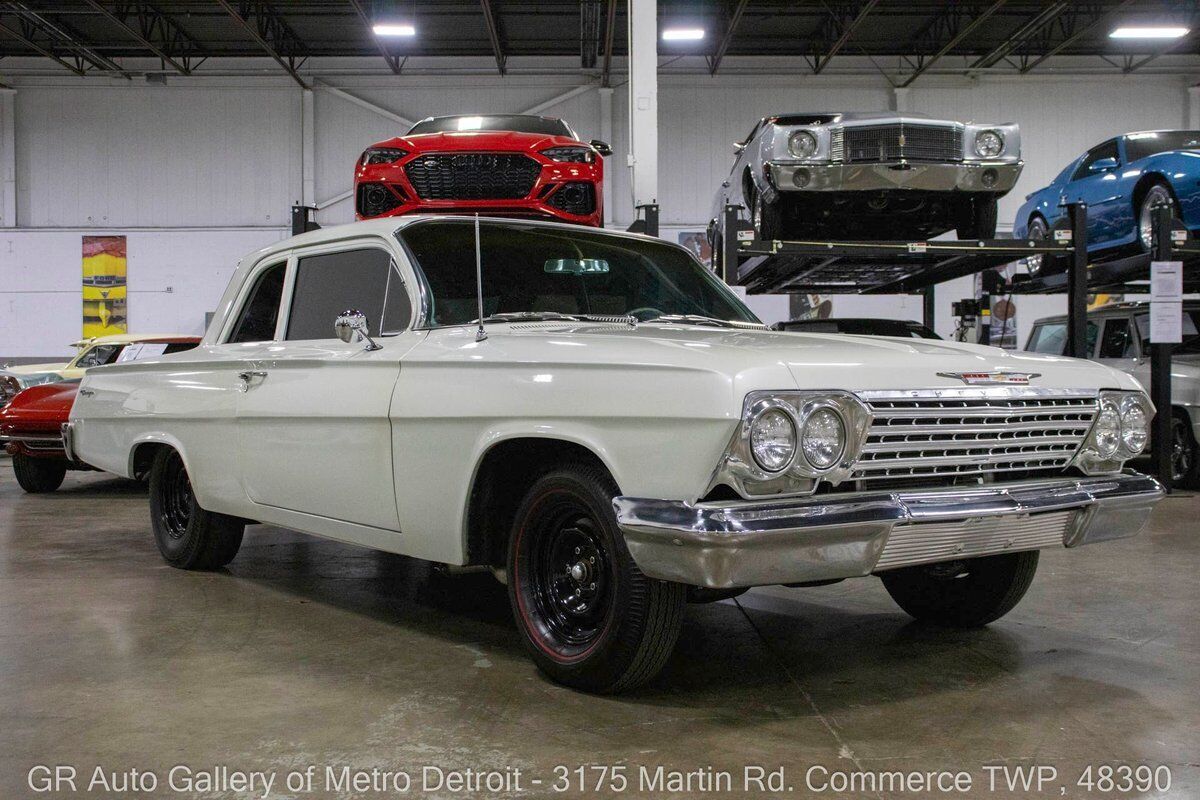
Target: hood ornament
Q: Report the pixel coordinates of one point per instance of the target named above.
(998, 378)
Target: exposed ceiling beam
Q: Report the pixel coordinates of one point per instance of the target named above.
(57, 40)
(493, 30)
(1076, 36)
(963, 33)
(271, 33)
(152, 22)
(1019, 36)
(847, 31)
(393, 61)
(610, 29)
(714, 61)
(9, 32)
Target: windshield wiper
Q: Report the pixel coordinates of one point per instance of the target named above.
(701, 319)
(556, 316)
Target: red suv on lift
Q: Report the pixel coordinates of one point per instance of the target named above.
(496, 164)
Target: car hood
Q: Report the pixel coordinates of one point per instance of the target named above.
(49, 402)
(34, 369)
(478, 140)
(757, 359)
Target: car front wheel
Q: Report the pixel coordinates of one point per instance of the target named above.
(1157, 194)
(588, 616)
(188, 536)
(1185, 455)
(963, 594)
(38, 475)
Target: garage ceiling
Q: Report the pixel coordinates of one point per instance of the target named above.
(94, 36)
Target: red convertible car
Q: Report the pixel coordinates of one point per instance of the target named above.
(499, 165)
(31, 424)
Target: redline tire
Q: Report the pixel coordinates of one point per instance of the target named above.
(587, 616)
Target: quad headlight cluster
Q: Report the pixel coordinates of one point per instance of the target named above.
(1119, 432)
(789, 440)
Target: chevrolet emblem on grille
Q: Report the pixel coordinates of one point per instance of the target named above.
(992, 378)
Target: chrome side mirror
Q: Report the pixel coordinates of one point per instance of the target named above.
(351, 326)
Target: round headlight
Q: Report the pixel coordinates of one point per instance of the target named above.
(773, 439)
(802, 144)
(1135, 427)
(823, 439)
(989, 144)
(1107, 435)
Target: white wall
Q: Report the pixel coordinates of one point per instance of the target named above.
(206, 168)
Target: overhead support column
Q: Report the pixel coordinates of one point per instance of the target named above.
(900, 98)
(1193, 106)
(308, 149)
(1077, 283)
(8, 158)
(606, 131)
(643, 101)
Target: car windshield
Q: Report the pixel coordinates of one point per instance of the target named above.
(522, 123)
(534, 270)
(1140, 145)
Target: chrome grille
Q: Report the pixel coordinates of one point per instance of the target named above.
(940, 438)
(895, 141)
(930, 542)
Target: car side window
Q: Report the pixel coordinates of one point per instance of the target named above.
(1106, 150)
(1117, 341)
(1051, 338)
(365, 279)
(256, 322)
(99, 355)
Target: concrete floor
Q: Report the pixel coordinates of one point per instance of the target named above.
(305, 652)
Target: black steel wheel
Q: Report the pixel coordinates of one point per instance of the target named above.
(966, 593)
(589, 618)
(188, 536)
(39, 475)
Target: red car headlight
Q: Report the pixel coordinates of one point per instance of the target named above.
(382, 155)
(575, 155)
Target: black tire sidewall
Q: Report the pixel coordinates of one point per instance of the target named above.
(993, 588)
(1137, 220)
(181, 552)
(38, 475)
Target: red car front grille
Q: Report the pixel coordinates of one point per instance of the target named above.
(472, 176)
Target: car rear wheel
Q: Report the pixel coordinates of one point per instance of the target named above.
(188, 537)
(587, 615)
(977, 218)
(963, 594)
(38, 475)
(1156, 194)
(1185, 456)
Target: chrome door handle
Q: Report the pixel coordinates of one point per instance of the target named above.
(249, 375)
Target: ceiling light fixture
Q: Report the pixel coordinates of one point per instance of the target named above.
(1148, 32)
(682, 34)
(394, 29)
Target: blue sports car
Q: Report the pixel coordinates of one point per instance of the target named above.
(1120, 180)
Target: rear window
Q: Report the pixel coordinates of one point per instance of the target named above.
(1141, 145)
(522, 123)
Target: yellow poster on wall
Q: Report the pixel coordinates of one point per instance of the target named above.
(104, 289)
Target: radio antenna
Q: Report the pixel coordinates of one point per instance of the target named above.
(480, 334)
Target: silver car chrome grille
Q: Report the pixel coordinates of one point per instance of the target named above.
(939, 438)
(930, 542)
(860, 144)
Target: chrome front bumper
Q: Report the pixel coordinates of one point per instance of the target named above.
(829, 537)
(964, 177)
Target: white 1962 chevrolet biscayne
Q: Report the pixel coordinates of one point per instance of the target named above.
(618, 435)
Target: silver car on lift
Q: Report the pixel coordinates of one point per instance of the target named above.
(868, 176)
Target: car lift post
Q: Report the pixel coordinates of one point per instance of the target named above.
(1161, 443)
(302, 220)
(650, 210)
(729, 244)
(928, 312)
(1077, 283)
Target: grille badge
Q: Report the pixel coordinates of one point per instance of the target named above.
(998, 378)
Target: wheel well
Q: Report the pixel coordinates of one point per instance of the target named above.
(142, 457)
(748, 187)
(504, 475)
(1143, 185)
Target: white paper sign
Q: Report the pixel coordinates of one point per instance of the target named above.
(1166, 281)
(1166, 323)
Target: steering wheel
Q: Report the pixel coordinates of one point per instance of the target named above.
(645, 313)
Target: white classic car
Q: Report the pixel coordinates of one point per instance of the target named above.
(868, 175)
(613, 434)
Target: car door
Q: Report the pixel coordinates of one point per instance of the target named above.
(314, 435)
(1096, 182)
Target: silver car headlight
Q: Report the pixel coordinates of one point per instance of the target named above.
(802, 144)
(989, 144)
(1119, 432)
(788, 441)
